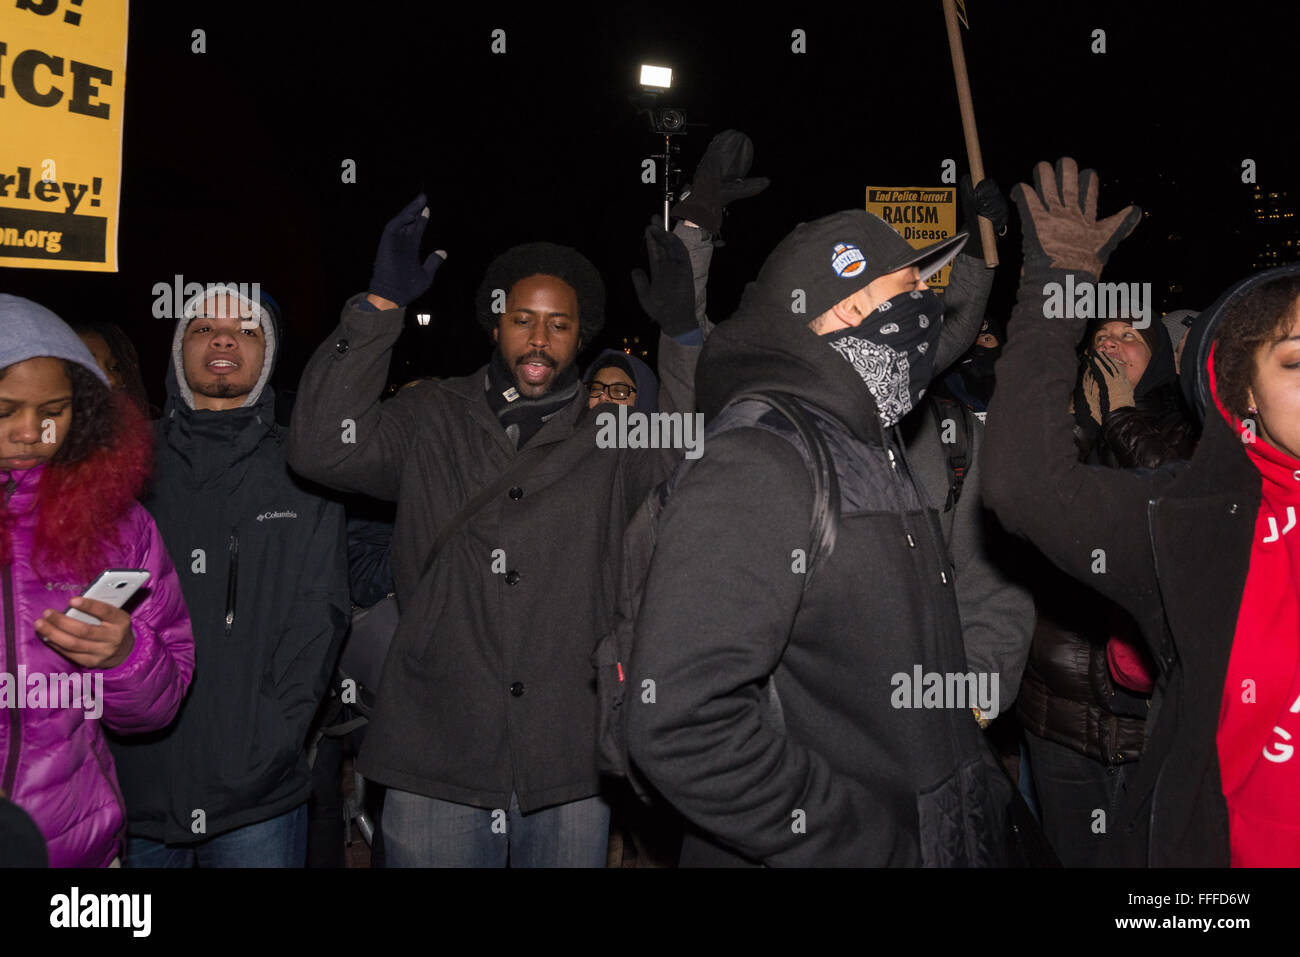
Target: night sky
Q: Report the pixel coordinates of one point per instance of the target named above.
(233, 157)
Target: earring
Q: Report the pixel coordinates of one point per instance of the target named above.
(1252, 410)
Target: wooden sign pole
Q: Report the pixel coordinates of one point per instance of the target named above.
(968, 125)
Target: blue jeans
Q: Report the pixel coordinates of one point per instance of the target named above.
(422, 831)
(279, 842)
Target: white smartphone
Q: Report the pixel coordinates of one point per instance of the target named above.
(114, 586)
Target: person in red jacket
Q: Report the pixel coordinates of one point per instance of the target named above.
(73, 456)
(1218, 776)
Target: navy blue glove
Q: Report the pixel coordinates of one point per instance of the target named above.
(667, 294)
(399, 275)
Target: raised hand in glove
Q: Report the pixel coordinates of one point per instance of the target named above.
(399, 277)
(722, 177)
(667, 294)
(984, 200)
(1058, 220)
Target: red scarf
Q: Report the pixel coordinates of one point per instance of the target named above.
(1259, 718)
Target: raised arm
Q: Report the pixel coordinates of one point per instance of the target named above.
(1089, 521)
(341, 436)
(970, 281)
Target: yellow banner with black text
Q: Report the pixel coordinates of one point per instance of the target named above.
(62, 89)
(920, 214)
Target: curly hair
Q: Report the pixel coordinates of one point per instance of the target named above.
(545, 259)
(123, 350)
(1261, 317)
(93, 425)
(90, 482)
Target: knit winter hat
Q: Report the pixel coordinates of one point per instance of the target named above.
(831, 258)
(28, 330)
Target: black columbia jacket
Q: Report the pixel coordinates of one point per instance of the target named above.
(263, 566)
(852, 773)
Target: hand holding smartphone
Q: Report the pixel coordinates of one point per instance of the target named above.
(114, 586)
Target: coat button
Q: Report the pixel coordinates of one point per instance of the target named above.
(512, 578)
(516, 493)
(1232, 509)
(517, 689)
(341, 346)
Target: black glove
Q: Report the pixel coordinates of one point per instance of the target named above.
(984, 200)
(720, 179)
(668, 293)
(399, 274)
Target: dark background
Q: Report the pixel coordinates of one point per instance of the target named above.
(233, 157)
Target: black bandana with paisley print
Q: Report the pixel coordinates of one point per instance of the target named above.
(893, 351)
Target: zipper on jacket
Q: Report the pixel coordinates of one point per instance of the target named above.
(232, 580)
(11, 661)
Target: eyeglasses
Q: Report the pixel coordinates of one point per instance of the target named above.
(618, 391)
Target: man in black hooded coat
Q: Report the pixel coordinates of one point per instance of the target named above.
(262, 561)
(841, 767)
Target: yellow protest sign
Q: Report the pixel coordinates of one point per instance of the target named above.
(62, 89)
(920, 214)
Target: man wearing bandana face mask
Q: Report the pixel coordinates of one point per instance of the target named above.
(853, 769)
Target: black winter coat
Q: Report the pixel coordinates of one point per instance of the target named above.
(262, 562)
(488, 687)
(845, 778)
(1155, 430)
(1156, 528)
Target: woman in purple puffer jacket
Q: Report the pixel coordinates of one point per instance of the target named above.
(73, 456)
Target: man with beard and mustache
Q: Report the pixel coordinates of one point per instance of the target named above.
(506, 551)
(776, 728)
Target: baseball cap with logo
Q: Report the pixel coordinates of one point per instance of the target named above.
(831, 258)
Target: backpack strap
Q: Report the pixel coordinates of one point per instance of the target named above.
(826, 482)
(821, 470)
(523, 462)
(958, 451)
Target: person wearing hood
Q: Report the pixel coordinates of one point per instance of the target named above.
(847, 769)
(73, 457)
(1088, 686)
(1130, 385)
(970, 380)
(622, 379)
(1218, 777)
(263, 565)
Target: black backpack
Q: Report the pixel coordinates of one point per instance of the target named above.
(614, 650)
